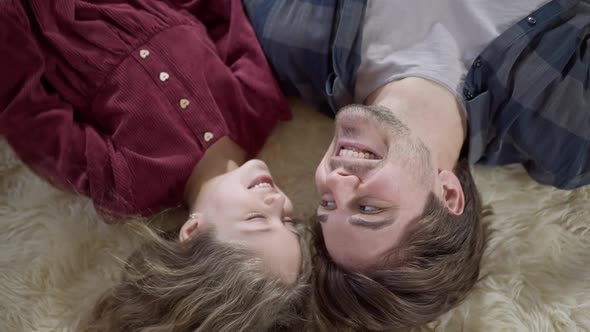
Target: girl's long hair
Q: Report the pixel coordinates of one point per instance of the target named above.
(198, 285)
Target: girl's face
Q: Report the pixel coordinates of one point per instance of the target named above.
(245, 207)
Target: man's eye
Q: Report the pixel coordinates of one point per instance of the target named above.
(367, 209)
(327, 204)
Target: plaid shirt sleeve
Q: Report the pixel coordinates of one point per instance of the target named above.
(528, 96)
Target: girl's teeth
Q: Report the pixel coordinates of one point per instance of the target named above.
(262, 185)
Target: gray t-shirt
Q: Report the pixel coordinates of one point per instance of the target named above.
(434, 39)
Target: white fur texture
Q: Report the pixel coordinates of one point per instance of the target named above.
(57, 257)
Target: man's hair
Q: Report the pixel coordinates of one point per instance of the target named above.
(199, 285)
(430, 272)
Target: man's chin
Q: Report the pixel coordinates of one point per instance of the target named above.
(354, 116)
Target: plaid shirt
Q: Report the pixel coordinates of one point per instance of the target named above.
(527, 94)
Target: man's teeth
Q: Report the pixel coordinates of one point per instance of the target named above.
(353, 153)
(262, 185)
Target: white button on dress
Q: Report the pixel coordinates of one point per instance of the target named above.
(208, 136)
(144, 54)
(184, 103)
(164, 76)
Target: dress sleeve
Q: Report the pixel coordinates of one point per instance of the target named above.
(42, 128)
(229, 29)
(262, 101)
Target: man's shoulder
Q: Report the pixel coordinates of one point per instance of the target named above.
(526, 96)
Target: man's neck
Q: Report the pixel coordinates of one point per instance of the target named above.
(214, 162)
(430, 111)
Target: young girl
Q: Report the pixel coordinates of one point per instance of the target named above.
(144, 105)
(236, 266)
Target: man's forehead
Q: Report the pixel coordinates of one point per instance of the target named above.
(356, 249)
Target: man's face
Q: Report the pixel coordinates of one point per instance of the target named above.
(373, 181)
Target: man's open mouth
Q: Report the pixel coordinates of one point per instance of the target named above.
(349, 151)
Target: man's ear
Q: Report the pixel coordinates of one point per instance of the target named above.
(452, 192)
(191, 227)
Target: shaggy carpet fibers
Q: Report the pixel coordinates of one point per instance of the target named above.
(57, 256)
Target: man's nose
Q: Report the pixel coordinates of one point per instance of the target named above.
(340, 178)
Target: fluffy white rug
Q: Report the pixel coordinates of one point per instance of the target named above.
(56, 256)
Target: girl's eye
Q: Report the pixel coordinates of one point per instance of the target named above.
(255, 216)
(367, 209)
(291, 224)
(327, 204)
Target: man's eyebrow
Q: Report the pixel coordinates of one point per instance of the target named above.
(374, 225)
(321, 218)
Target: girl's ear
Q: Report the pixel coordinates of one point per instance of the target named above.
(191, 227)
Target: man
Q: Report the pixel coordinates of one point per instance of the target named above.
(433, 84)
